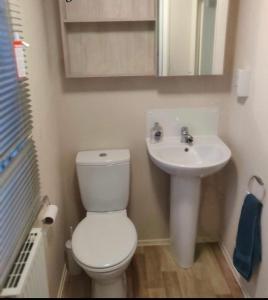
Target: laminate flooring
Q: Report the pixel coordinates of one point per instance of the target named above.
(153, 273)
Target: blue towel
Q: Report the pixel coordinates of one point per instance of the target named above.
(248, 251)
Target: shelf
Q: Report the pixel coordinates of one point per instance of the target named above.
(115, 75)
(67, 21)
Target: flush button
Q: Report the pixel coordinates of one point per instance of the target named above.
(103, 155)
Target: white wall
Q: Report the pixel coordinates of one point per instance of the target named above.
(246, 131)
(46, 131)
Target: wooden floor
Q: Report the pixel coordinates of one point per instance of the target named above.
(154, 274)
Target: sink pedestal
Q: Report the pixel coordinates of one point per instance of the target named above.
(184, 213)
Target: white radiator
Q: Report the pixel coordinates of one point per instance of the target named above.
(28, 278)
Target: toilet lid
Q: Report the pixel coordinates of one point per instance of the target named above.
(104, 240)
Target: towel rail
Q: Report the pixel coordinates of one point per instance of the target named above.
(259, 180)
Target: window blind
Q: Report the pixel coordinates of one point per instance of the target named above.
(19, 175)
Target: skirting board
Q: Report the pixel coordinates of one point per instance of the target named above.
(232, 268)
(62, 282)
(160, 242)
(167, 242)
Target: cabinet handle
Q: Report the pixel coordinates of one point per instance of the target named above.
(68, 1)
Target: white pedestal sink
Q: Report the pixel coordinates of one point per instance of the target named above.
(187, 165)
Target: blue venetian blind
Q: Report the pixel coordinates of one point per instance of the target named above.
(19, 177)
(15, 121)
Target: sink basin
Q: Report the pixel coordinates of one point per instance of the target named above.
(207, 156)
(187, 165)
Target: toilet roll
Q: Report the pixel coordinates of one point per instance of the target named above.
(50, 215)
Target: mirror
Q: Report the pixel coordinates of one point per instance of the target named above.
(192, 37)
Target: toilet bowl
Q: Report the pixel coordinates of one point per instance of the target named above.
(105, 241)
(103, 245)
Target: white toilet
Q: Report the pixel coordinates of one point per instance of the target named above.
(105, 241)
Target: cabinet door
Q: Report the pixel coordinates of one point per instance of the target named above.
(105, 10)
(111, 49)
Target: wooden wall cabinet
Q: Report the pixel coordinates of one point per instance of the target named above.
(109, 38)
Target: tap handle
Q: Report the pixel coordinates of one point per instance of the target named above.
(184, 130)
(157, 133)
(190, 139)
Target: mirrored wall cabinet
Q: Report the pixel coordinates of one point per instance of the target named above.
(113, 38)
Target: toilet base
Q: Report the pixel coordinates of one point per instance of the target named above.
(112, 288)
(109, 283)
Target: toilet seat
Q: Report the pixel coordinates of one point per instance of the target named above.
(107, 270)
(104, 241)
